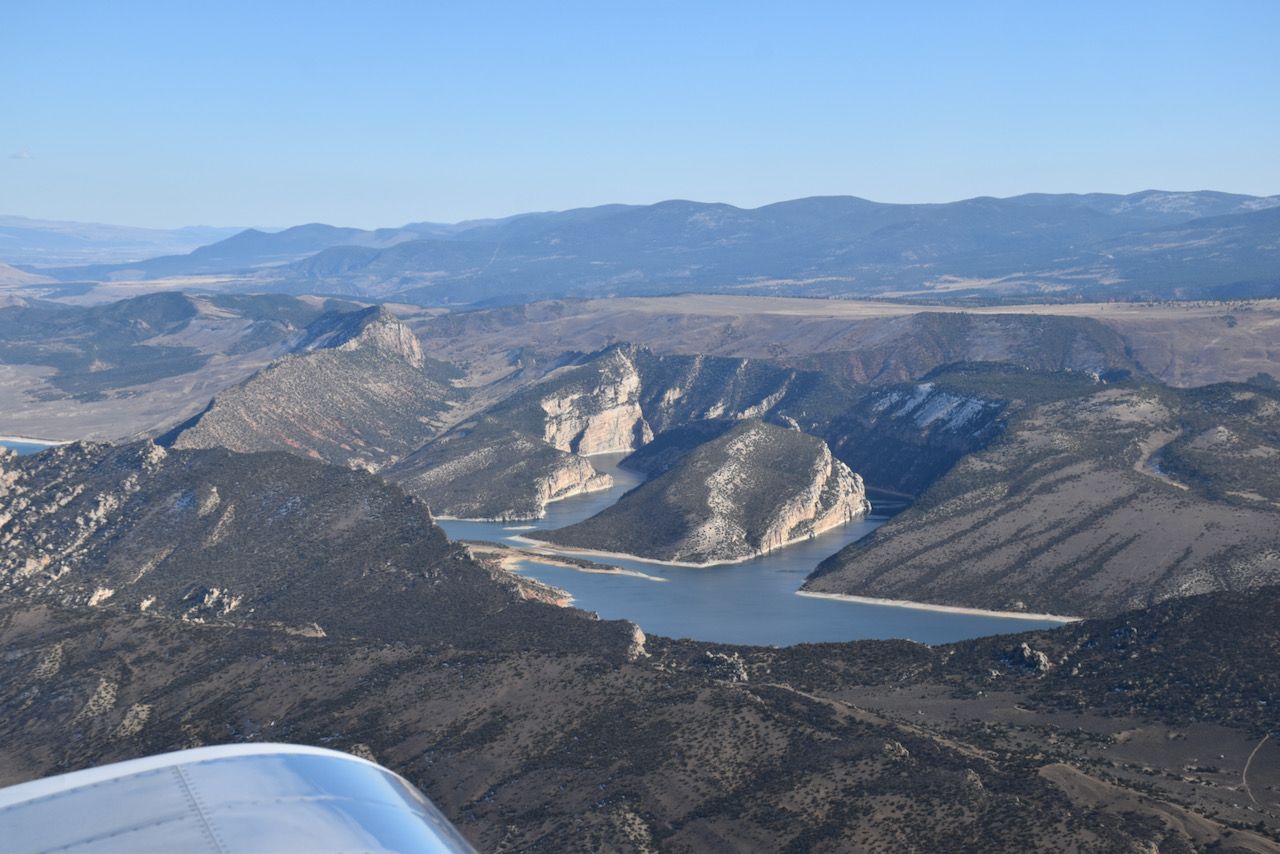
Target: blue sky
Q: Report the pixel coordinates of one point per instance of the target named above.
(379, 113)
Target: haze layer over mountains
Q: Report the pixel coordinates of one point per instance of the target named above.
(1094, 246)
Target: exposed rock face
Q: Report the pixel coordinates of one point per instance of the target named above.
(480, 470)
(681, 389)
(318, 550)
(374, 327)
(599, 417)
(1025, 657)
(528, 449)
(359, 393)
(755, 489)
(903, 437)
(1069, 513)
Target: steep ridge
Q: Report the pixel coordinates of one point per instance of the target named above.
(530, 447)
(1071, 512)
(904, 437)
(511, 460)
(482, 469)
(359, 393)
(752, 490)
(596, 411)
(211, 536)
(679, 389)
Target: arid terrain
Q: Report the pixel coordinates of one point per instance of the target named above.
(1179, 343)
(269, 566)
(529, 724)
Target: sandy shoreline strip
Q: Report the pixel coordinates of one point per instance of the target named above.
(550, 549)
(571, 550)
(28, 440)
(509, 555)
(945, 609)
(594, 570)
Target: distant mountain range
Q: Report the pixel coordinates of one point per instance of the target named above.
(46, 243)
(1151, 244)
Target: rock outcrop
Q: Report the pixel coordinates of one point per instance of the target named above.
(358, 392)
(1065, 513)
(481, 470)
(258, 540)
(600, 412)
(904, 437)
(374, 327)
(530, 447)
(752, 490)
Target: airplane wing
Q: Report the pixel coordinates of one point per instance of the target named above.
(231, 799)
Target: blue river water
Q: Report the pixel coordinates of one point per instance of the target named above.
(23, 447)
(753, 602)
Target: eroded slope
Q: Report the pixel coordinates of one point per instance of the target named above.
(750, 491)
(359, 393)
(1070, 512)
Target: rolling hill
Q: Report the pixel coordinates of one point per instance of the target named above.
(1097, 246)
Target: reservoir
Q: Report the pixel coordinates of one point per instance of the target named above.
(753, 602)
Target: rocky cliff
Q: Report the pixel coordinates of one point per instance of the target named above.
(752, 490)
(903, 437)
(1071, 511)
(483, 470)
(211, 536)
(596, 411)
(358, 392)
(530, 447)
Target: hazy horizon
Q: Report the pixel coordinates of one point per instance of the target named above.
(500, 216)
(156, 115)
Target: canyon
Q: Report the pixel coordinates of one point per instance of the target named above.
(139, 583)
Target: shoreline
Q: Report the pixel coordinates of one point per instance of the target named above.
(508, 555)
(553, 547)
(28, 440)
(944, 609)
(501, 521)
